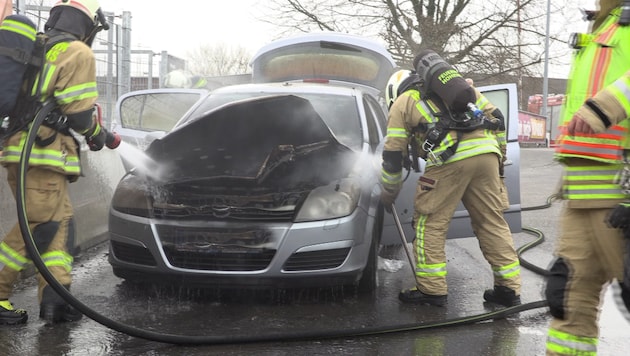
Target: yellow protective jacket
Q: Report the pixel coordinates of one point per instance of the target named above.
(409, 111)
(69, 76)
(598, 73)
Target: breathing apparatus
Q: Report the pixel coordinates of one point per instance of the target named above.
(456, 101)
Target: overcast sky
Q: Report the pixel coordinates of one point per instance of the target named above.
(181, 26)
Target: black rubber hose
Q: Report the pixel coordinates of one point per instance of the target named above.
(207, 340)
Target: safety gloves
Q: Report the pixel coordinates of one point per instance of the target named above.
(388, 197)
(95, 137)
(619, 218)
(98, 136)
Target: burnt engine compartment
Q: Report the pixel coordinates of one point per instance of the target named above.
(253, 159)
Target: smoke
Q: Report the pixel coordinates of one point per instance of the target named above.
(135, 159)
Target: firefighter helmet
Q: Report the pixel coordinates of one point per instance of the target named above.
(88, 7)
(398, 83)
(177, 79)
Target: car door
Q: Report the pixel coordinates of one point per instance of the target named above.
(504, 96)
(144, 115)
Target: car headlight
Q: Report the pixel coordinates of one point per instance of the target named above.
(335, 200)
(132, 196)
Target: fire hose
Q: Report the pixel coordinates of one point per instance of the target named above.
(32, 251)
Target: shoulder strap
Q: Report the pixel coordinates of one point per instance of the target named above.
(17, 54)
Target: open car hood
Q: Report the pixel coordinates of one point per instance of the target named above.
(276, 141)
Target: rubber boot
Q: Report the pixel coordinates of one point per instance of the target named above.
(54, 309)
(502, 295)
(10, 315)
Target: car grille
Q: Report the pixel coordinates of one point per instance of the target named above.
(133, 254)
(190, 202)
(208, 260)
(223, 213)
(315, 260)
(223, 249)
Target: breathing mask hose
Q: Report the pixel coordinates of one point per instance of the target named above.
(27, 236)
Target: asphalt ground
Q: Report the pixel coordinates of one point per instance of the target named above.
(231, 322)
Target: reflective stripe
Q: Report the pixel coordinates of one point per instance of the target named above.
(11, 258)
(76, 93)
(604, 147)
(592, 172)
(419, 241)
(467, 148)
(567, 344)
(20, 28)
(47, 73)
(422, 268)
(6, 305)
(482, 102)
(422, 106)
(42, 157)
(591, 182)
(621, 91)
(434, 270)
(594, 191)
(59, 259)
(508, 271)
(388, 178)
(396, 132)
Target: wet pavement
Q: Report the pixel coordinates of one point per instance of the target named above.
(307, 322)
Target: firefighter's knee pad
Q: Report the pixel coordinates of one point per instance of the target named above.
(556, 287)
(43, 235)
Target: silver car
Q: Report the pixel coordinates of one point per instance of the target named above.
(270, 184)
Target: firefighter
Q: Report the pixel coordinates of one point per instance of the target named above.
(69, 78)
(592, 146)
(464, 161)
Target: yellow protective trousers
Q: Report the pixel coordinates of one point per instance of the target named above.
(476, 183)
(589, 256)
(50, 216)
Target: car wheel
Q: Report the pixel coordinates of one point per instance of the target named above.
(369, 278)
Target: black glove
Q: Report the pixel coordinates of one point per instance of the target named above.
(388, 198)
(96, 141)
(620, 218)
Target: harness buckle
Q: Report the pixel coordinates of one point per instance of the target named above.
(623, 179)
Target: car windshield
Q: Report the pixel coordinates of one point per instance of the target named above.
(339, 112)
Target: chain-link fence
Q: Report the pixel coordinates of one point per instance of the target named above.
(119, 68)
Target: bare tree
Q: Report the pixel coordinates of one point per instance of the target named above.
(218, 60)
(485, 39)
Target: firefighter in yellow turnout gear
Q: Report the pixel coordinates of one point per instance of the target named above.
(69, 78)
(592, 146)
(462, 138)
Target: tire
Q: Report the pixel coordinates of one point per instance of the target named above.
(369, 279)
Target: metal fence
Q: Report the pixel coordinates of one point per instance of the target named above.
(119, 68)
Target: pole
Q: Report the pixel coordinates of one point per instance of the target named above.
(403, 239)
(546, 74)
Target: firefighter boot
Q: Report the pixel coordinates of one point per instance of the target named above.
(10, 315)
(55, 309)
(413, 295)
(502, 295)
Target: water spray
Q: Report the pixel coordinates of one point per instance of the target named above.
(32, 251)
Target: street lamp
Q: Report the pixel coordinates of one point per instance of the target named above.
(546, 73)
